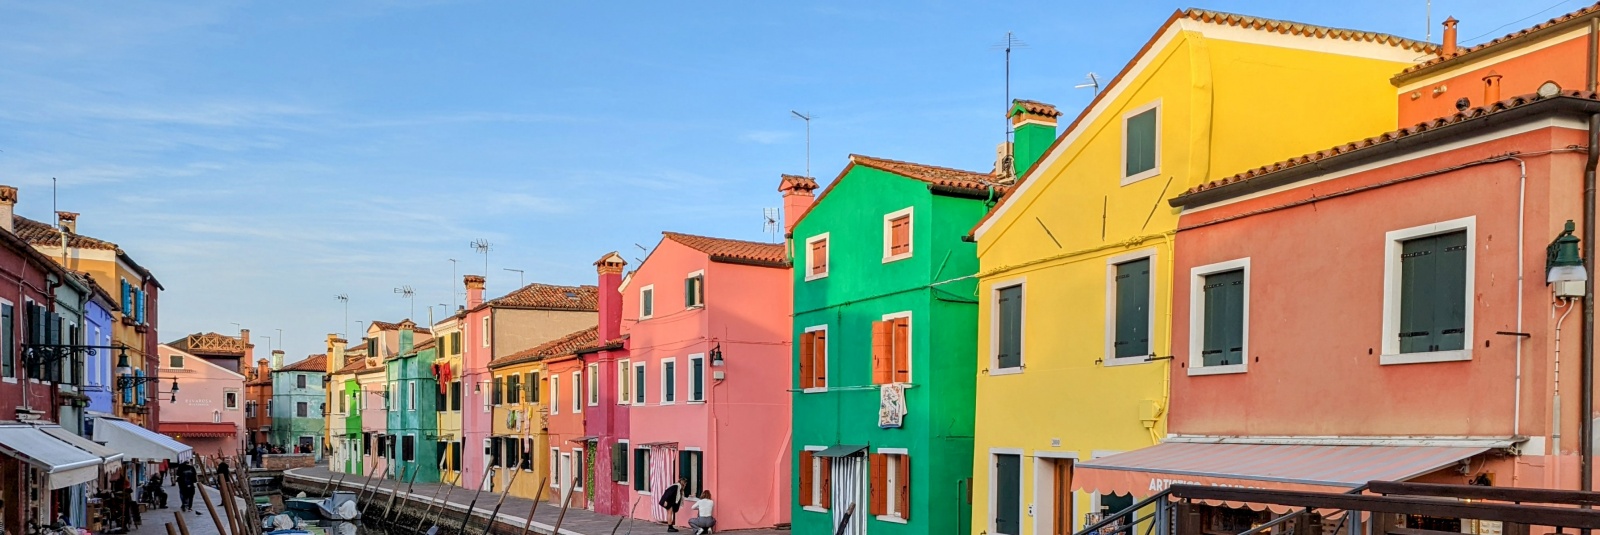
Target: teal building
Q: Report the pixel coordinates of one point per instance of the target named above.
(299, 412)
(413, 426)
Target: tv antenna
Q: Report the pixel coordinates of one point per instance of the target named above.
(454, 280)
(1008, 45)
(770, 223)
(482, 246)
(345, 298)
(1091, 80)
(520, 280)
(641, 248)
(408, 293)
(807, 118)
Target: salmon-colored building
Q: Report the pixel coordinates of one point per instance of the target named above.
(607, 424)
(207, 413)
(708, 337)
(565, 433)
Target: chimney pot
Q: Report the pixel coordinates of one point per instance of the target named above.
(609, 295)
(8, 205)
(68, 221)
(1448, 47)
(474, 290)
(797, 198)
(1491, 88)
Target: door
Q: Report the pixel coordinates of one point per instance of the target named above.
(1007, 494)
(488, 464)
(568, 474)
(849, 505)
(1061, 497)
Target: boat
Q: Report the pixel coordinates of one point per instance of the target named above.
(340, 506)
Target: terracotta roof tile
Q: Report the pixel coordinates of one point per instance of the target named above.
(1380, 139)
(358, 365)
(1516, 36)
(1034, 107)
(550, 297)
(386, 326)
(614, 343)
(560, 346)
(734, 251)
(314, 363)
(796, 182)
(932, 174)
(44, 234)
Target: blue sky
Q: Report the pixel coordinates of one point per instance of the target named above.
(264, 157)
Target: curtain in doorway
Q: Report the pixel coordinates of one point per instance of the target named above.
(847, 491)
(662, 460)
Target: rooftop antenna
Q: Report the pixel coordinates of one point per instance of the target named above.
(346, 299)
(520, 280)
(1093, 81)
(807, 118)
(641, 248)
(482, 246)
(1430, 22)
(1010, 43)
(454, 280)
(408, 293)
(280, 341)
(770, 223)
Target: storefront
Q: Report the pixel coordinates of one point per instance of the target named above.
(146, 452)
(44, 476)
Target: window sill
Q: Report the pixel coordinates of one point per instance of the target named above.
(1224, 369)
(814, 509)
(1126, 361)
(1425, 357)
(697, 402)
(810, 278)
(889, 518)
(1130, 179)
(665, 403)
(1005, 371)
(814, 390)
(12, 380)
(893, 258)
(695, 307)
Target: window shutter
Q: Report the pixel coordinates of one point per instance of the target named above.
(699, 473)
(819, 360)
(819, 257)
(882, 352)
(902, 349)
(684, 469)
(878, 478)
(807, 341)
(1009, 307)
(900, 235)
(1450, 314)
(805, 477)
(639, 469)
(1224, 319)
(1417, 272)
(903, 499)
(827, 483)
(1132, 312)
(619, 462)
(688, 292)
(1141, 143)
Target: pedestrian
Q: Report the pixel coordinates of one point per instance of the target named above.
(186, 478)
(703, 521)
(671, 500)
(223, 471)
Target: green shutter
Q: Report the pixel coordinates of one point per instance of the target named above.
(1140, 143)
(1009, 307)
(1450, 292)
(1008, 495)
(1224, 319)
(1417, 272)
(1132, 315)
(619, 462)
(640, 474)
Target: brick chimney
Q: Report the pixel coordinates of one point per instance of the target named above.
(1491, 88)
(408, 335)
(249, 349)
(609, 267)
(474, 290)
(1034, 124)
(8, 206)
(68, 221)
(1448, 47)
(797, 197)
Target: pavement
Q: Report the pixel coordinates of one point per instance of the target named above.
(513, 513)
(154, 521)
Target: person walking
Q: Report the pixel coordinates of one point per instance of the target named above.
(703, 521)
(186, 478)
(671, 500)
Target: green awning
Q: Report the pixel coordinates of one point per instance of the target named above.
(841, 450)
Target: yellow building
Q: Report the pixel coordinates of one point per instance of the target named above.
(520, 431)
(1074, 260)
(448, 333)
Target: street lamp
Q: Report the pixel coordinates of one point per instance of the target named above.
(1563, 262)
(126, 379)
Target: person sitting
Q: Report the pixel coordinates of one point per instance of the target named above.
(703, 521)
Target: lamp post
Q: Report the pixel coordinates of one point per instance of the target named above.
(126, 379)
(1564, 267)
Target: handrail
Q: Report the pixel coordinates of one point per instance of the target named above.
(1119, 514)
(1478, 492)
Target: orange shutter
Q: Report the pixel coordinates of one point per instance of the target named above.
(882, 352)
(878, 481)
(805, 478)
(900, 235)
(819, 257)
(902, 350)
(904, 478)
(819, 360)
(807, 340)
(827, 483)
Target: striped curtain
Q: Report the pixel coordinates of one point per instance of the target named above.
(848, 474)
(661, 464)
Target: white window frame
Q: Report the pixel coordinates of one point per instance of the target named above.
(555, 468)
(1197, 317)
(18, 368)
(1393, 246)
(994, 327)
(411, 395)
(488, 328)
(888, 235)
(624, 382)
(665, 378)
(689, 370)
(230, 406)
(1123, 158)
(827, 257)
(594, 385)
(994, 483)
(702, 289)
(577, 391)
(577, 466)
(826, 354)
(890, 478)
(911, 361)
(816, 480)
(647, 296)
(555, 394)
(1111, 306)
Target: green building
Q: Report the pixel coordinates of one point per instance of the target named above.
(351, 403)
(884, 310)
(299, 416)
(413, 426)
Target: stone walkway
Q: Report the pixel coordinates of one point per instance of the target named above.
(513, 513)
(154, 521)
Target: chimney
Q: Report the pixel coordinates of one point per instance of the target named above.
(68, 221)
(1491, 88)
(609, 267)
(1448, 48)
(8, 205)
(249, 349)
(408, 335)
(474, 290)
(797, 197)
(277, 359)
(1034, 124)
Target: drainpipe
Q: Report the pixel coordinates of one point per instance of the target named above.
(1586, 378)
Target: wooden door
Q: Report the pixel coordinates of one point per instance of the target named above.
(1061, 497)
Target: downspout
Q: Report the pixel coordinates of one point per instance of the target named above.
(1522, 206)
(1586, 378)
(1555, 416)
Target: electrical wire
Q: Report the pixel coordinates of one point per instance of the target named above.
(1503, 26)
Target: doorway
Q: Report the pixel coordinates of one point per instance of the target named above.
(1052, 491)
(567, 470)
(849, 494)
(1007, 492)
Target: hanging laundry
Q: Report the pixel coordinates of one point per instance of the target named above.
(891, 405)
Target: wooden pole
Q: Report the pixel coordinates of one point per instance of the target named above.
(375, 488)
(452, 488)
(171, 529)
(538, 496)
(502, 501)
(393, 495)
(183, 525)
(472, 506)
(211, 509)
(564, 504)
(227, 507)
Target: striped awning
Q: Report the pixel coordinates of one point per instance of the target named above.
(1315, 468)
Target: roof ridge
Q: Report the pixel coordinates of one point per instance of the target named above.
(1493, 43)
(1303, 29)
(854, 156)
(673, 233)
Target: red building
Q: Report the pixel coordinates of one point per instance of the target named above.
(608, 422)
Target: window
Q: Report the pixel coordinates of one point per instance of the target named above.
(694, 290)
(1141, 143)
(1005, 491)
(441, 398)
(555, 468)
(514, 389)
(1428, 287)
(499, 390)
(8, 339)
(302, 409)
(411, 395)
(175, 361)
(1128, 308)
(455, 343)
(1007, 329)
(300, 381)
(341, 405)
(1219, 310)
(816, 480)
(619, 462)
(624, 382)
(527, 454)
(577, 391)
(647, 302)
(230, 400)
(889, 492)
(697, 378)
(891, 349)
(408, 448)
(814, 359)
(594, 384)
(513, 451)
(577, 470)
(555, 394)
(691, 466)
(669, 382)
(641, 470)
(638, 383)
(455, 456)
(455, 396)
(817, 256)
(487, 331)
(897, 235)
(533, 387)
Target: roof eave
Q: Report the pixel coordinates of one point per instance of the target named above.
(747, 261)
(1513, 43)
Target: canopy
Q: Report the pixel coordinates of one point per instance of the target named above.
(1300, 467)
(585, 438)
(63, 466)
(199, 429)
(841, 450)
(109, 458)
(138, 443)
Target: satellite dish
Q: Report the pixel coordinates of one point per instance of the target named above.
(1549, 89)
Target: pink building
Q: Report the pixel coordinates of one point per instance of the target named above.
(608, 422)
(708, 379)
(207, 412)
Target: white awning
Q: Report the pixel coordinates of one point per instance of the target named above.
(138, 443)
(63, 466)
(110, 458)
